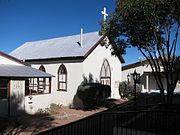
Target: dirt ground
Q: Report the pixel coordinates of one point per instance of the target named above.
(30, 124)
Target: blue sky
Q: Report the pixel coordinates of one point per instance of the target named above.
(29, 20)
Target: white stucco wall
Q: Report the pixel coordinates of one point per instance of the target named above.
(93, 64)
(152, 85)
(74, 78)
(35, 102)
(177, 89)
(4, 60)
(139, 69)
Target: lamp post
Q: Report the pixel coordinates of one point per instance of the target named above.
(136, 78)
(128, 79)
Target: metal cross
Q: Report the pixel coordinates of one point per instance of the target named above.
(104, 14)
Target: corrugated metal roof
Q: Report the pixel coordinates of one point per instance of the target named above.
(57, 47)
(21, 71)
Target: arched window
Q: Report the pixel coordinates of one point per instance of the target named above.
(41, 81)
(105, 73)
(62, 78)
(42, 68)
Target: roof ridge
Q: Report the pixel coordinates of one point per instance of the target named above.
(60, 37)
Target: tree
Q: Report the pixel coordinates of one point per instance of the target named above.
(152, 26)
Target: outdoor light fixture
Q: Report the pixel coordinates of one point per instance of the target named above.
(128, 78)
(136, 78)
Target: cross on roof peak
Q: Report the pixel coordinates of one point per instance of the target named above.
(104, 14)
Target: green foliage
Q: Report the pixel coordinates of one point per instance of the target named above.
(135, 22)
(93, 94)
(152, 26)
(126, 90)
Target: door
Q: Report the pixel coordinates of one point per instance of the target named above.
(17, 97)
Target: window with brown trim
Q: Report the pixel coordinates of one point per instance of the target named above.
(32, 87)
(105, 73)
(41, 81)
(62, 78)
(3, 88)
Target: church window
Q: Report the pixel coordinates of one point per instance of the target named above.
(41, 81)
(62, 78)
(105, 73)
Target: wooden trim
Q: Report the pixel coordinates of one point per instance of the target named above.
(50, 85)
(106, 77)
(9, 98)
(71, 59)
(62, 90)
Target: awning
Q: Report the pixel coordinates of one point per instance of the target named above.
(22, 72)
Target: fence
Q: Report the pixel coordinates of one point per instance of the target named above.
(144, 102)
(122, 123)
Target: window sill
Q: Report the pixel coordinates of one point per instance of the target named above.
(37, 94)
(62, 90)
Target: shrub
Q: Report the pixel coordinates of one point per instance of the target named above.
(126, 90)
(54, 108)
(42, 112)
(110, 103)
(92, 95)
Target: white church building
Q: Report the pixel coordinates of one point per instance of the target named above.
(68, 59)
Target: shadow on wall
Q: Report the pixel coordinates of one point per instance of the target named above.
(19, 121)
(90, 94)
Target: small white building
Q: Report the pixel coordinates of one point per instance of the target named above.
(15, 83)
(146, 77)
(68, 59)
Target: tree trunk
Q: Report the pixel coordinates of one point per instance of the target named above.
(162, 96)
(170, 97)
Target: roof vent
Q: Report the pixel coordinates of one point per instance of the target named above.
(81, 40)
(81, 36)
